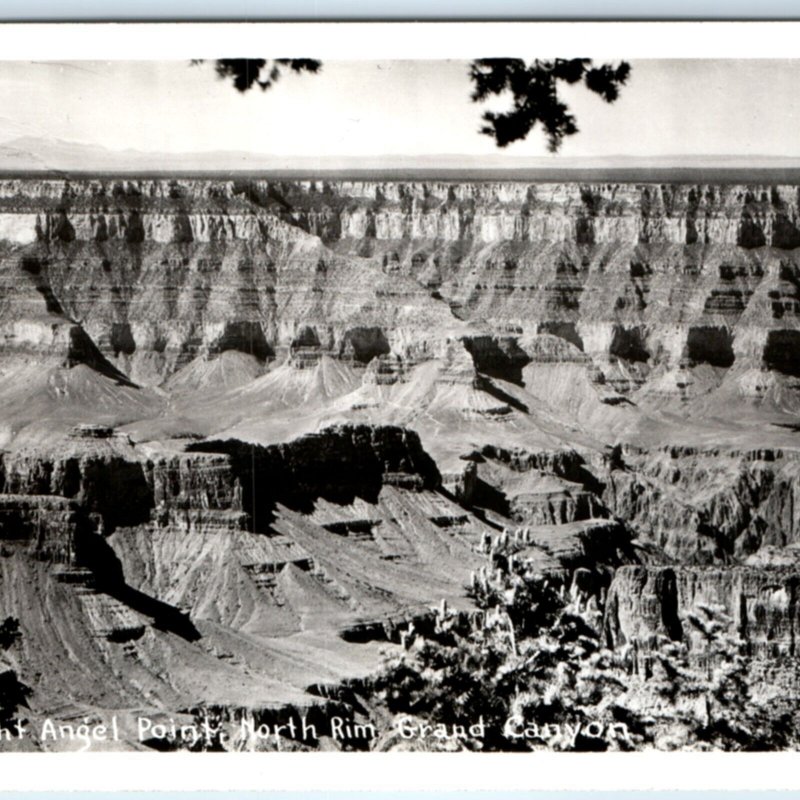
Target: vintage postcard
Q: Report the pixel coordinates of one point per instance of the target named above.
(442, 401)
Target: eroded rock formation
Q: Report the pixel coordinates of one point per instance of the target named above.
(251, 426)
(158, 272)
(647, 602)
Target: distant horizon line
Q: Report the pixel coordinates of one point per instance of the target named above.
(753, 177)
(545, 161)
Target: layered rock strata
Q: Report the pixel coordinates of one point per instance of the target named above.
(335, 393)
(157, 272)
(645, 603)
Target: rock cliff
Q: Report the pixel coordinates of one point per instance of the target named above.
(333, 537)
(249, 426)
(647, 602)
(159, 271)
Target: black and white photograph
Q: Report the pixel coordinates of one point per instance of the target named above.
(442, 405)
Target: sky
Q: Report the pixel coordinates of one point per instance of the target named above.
(669, 107)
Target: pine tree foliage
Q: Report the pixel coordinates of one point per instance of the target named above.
(247, 73)
(535, 652)
(533, 90)
(531, 86)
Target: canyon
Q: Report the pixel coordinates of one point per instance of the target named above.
(250, 429)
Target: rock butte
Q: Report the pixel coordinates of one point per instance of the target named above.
(250, 427)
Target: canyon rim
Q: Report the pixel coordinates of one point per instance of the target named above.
(347, 451)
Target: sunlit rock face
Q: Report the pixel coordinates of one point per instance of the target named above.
(645, 273)
(648, 603)
(707, 504)
(280, 418)
(159, 271)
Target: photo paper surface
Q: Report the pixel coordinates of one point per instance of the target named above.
(439, 404)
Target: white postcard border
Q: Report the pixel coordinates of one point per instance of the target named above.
(398, 40)
(399, 771)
